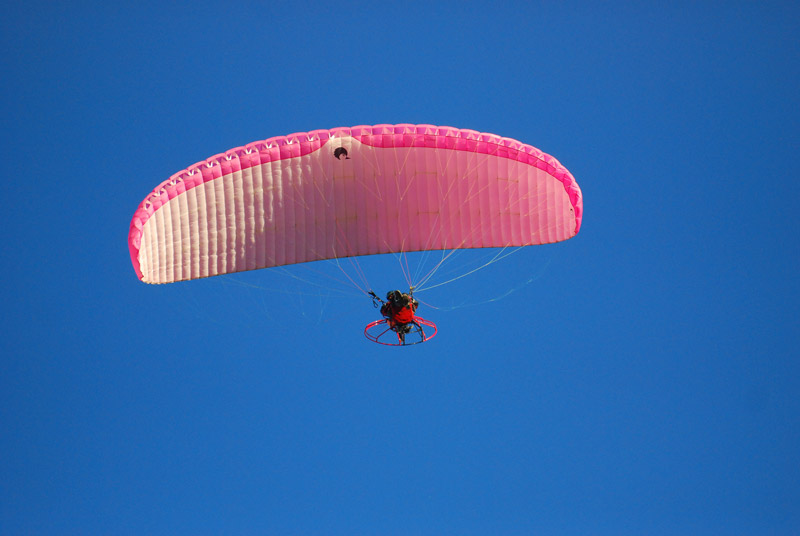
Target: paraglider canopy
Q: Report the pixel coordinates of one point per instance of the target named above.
(347, 192)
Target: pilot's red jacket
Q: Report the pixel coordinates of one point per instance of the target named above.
(400, 315)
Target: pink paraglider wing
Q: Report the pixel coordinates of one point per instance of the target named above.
(351, 191)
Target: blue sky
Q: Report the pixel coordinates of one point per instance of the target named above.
(639, 378)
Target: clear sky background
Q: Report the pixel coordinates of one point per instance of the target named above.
(641, 378)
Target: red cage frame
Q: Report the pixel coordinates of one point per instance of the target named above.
(377, 332)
